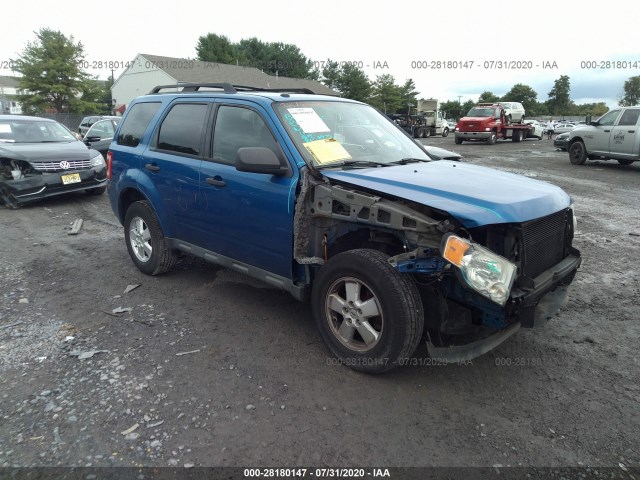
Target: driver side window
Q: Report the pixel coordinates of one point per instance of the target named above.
(609, 118)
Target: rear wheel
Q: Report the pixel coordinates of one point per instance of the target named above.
(369, 315)
(577, 153)
(145, 240)
(427, 132)
(522, 119)
(625, 161)
(516, 136)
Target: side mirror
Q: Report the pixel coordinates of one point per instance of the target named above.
(259, 160)
(587, 120)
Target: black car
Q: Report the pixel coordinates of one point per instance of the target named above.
(40, 158)
(100, 135)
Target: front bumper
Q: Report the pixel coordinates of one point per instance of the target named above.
(38, 186)
(532, 305)
(473, 135)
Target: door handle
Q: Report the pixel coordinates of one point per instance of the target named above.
(607, 131)
(631, 131)
(216, 182)
(152, 168)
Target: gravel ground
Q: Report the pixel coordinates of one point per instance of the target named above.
(205, 367)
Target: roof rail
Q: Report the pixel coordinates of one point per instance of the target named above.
(227, 87)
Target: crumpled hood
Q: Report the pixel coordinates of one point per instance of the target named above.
(472, 194)
(45, 152)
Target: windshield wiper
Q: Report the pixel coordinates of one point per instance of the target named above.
(354, 163)
(405, 161)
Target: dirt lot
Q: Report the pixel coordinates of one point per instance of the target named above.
(211, 368)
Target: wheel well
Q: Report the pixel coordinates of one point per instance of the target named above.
(574, 140)
(127, 197)
(365, 238)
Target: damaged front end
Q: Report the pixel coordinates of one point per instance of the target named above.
(23, 181)
(478, 285)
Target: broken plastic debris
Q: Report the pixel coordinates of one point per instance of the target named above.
(85, 355)
(75, 228)
(131, 287)
(187, 353)
(122, 310)
(23, 300)
(130, 429)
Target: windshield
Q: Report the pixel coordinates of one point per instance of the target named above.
(334, 133)
(21, 131)
(482, 112)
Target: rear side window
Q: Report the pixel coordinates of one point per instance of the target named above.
(630, 117)
(136, 123)
(181, 130)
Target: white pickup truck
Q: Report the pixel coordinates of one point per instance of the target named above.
(614, 136)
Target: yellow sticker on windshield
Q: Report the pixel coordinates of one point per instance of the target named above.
(327, 150)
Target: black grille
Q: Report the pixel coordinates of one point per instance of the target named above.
(544, 241)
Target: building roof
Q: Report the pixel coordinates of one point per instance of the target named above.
(194, 71)
(11, 82)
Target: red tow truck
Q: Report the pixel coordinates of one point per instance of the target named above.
(488, 122)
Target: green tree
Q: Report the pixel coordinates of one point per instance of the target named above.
(453, 109)
(488, 97)
(466, 106)
(559, 102)
(51, 72)
(524, 94)
(631, 95)
(593, 109)
(385, 94)
(330, 74)
(279, 58)
(353, 83)
(94, 96)
(408, 95)
(216, 48)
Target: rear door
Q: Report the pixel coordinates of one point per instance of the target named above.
(172, 164)
(624, 134)
(246, 216)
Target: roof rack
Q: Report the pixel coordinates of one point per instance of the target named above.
(227, 88)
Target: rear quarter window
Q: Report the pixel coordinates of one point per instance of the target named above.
(136, 123)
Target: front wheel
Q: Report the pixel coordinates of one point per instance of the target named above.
(492, 138)
(577, 153)
(445, 132)
(624, 161)
(145, 240)
(458, 141)
(369, 314)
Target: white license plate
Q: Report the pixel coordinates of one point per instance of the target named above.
(71, 178)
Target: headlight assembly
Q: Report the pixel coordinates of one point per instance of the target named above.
(487, 273)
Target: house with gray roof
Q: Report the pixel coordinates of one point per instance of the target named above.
(9, 88)
(148, 71)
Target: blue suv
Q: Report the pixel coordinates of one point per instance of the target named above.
(328, 199)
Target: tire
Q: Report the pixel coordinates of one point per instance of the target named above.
(509, 119)
(145, 240)
(492, 139)
(96, 191)
(445, 132)
(577, 153)
(386, 330)
(522, 120)
(426, 133)
(516, 136)
(458, 141)
(625, 161)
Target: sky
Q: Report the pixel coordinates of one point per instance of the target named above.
(453, 50)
